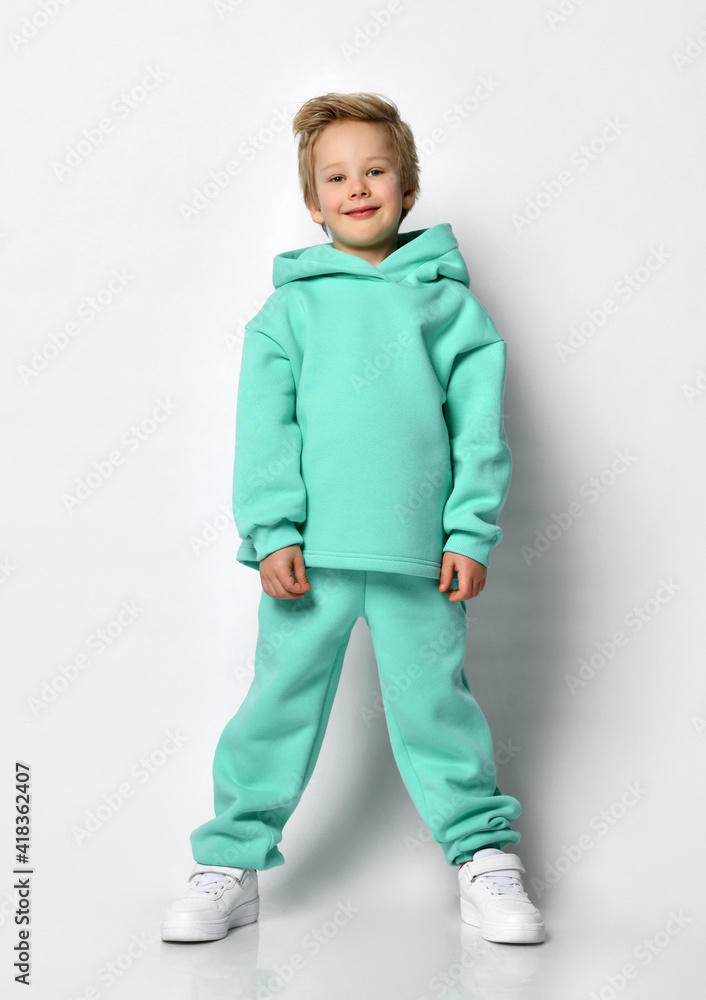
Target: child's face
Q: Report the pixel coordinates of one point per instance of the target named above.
(354, 167)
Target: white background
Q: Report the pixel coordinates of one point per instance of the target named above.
(157, 532)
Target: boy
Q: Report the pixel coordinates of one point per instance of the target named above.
(371, 464)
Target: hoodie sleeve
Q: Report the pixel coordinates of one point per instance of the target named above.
(269, 496)
(480, 455)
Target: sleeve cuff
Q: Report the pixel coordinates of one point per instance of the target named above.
(267, 538)
(466, 543)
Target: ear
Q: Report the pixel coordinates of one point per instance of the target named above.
(408, 198)
(315, 213)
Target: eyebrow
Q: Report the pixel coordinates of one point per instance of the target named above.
(322, 170)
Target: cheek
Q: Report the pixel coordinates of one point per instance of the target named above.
(330, 197)
(391, 190)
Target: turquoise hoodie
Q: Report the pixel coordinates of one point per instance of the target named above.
(369, 426)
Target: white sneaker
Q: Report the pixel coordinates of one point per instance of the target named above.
(216, 899)
(493, 899)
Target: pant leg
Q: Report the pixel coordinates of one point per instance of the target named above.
(267, 752)
(439, 735)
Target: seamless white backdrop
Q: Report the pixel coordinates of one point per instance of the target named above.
(148, 179)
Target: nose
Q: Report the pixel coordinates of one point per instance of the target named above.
(357, 188)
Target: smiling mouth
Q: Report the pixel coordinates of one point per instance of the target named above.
(362, 213)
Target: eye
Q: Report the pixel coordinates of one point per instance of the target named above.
(375, 170)
(335, 178)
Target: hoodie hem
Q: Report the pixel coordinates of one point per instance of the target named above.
(381, 564)
(354, 560)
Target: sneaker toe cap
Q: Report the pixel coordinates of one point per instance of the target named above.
(196, 906)
(513, 911)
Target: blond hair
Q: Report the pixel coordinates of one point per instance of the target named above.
(318, 112)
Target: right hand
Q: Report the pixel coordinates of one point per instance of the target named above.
(276, 573)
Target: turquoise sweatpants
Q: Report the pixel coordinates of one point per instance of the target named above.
(439, 736)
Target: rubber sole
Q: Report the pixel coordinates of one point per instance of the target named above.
(522, 934)
(176, 930)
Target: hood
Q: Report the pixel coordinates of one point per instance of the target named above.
(422, 255)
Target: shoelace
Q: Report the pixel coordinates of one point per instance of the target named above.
(213, 883)
(503, 885)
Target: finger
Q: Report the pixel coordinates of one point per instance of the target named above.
(286, 588)
(273, 585)
(446, 574)
(464, 582)
(299, 570)
(286, 585)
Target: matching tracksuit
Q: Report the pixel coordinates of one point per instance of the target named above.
(369, 431)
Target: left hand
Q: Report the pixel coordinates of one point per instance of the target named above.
(471, 576)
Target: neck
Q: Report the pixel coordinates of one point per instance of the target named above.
(373, 254)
